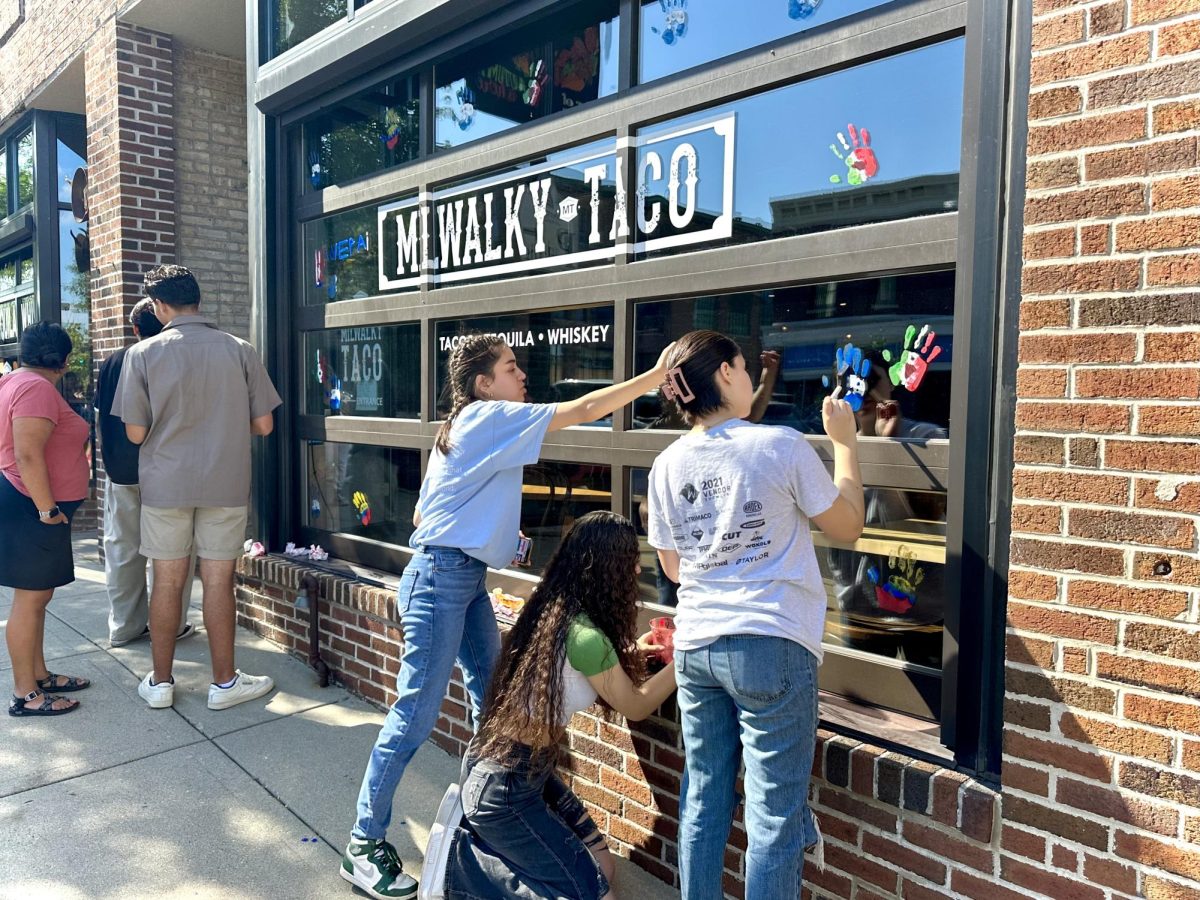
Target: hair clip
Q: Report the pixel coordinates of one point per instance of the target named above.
(676, 387)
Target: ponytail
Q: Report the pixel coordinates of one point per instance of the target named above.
(475, 355)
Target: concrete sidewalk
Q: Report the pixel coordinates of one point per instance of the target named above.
(118, 800)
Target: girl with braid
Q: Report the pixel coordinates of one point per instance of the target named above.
(525, 833)
(467, 519)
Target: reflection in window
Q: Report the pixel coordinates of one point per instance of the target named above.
(564, 354)
(76, 309)
(679, 34)
(906, 390)
(859, 149)
(369, 371)
(3, 181)
(557, 63)
(368, 132)
(293, 21)
(72, 152)
(553, 496)
(656, 586)
(362, 490)
(339, 257)
(25, 169)
(886, 592)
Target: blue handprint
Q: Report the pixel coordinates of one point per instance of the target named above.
(802, 9)
(852, 371)
(675, 20)
(314, 168)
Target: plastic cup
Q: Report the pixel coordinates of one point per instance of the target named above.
(662, 631)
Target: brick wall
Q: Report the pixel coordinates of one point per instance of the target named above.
(210, 126)
(1102, 741)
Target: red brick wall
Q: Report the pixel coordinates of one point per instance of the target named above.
(1102, 740)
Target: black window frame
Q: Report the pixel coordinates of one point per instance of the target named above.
(978, 241)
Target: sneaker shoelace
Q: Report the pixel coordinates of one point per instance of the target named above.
(387, 859)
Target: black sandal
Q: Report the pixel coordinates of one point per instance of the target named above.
(73, 684)
(17, 707)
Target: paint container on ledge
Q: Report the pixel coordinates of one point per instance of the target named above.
(662, 631)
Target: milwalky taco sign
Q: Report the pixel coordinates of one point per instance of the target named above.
(564, 212)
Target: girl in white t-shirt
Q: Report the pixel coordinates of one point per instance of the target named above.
(525, 833)
(730, 507)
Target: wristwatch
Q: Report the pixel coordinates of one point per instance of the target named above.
(47, 514)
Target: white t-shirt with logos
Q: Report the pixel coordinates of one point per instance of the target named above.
(734, 503)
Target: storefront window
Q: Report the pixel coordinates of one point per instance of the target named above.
(339, 259)
(374, 130)
(374, 370)
(3, 182)
(656, 586)
(844, 149)
(888, 320)
(25, 169)
(293, 21)
(681, 34)
(72, 154)
(553, 496)
(564, 354)
(76, 310)
(362, 490)
(557, 63)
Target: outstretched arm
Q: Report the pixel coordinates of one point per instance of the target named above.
(608, 400)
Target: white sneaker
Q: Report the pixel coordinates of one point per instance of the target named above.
(437, 851)
(158, 696)
(246, 687)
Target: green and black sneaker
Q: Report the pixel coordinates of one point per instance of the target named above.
(375, 867)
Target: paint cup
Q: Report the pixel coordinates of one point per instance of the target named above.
(662, 631)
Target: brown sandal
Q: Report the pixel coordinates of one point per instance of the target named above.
(17, 707)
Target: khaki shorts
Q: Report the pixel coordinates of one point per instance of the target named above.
(214, 532)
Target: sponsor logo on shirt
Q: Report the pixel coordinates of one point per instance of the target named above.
(751, 507)
(728, 548)
(689, 493)
(731, 535)
(751, 559)
(754, 523)
(697, 533)
(700, 517)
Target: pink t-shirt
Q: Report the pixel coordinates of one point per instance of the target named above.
(27, 394)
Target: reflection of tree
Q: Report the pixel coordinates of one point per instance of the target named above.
(386, 138)
(295, 20)
(80, 362)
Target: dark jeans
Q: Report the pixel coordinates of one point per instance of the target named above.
(524, 835)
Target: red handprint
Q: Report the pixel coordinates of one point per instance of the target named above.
(857, 154)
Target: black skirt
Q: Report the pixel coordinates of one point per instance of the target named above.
(33, 556)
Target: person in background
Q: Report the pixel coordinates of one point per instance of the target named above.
(125, 569)
(467, 518)
(730, 509)
(526, 833)
(192, 398)
(43, 446)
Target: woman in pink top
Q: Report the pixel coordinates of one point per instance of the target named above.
(44, 465)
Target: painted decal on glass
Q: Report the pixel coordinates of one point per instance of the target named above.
(675, 21)
(860, 160)
(362, 507)
(852, 371)
(909, 370)
(899, 593)
(314, 168)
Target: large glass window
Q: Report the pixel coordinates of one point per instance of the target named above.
(564, 354)
(292, 21)
(849, 148)
(3, 181)
(370, 131)
(680, 34)
(76, 310)
(374, 370)
(553, 496)
(340, 258)
(554, 64)
(71, 148)
(362, 490)
(24, 169)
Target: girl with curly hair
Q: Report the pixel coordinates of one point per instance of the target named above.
(525, 833)
(467, 518)
(730, 510)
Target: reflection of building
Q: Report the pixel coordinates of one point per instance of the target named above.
(147, 165)
(875, 201)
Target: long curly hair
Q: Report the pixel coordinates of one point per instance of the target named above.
(475, 355)
(593, 573)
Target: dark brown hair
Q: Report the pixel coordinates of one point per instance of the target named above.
(173, 285)
(475, 355)
(593, 573)
(699, 354)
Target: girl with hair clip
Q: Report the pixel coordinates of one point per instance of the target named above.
(467, 518)
(730, 507)
(526, 834)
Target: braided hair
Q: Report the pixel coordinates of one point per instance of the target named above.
(475, 355)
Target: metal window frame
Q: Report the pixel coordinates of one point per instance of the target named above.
(972, 241)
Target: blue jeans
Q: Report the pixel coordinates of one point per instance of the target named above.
(756, 695)
(446, 614)
(525, 835)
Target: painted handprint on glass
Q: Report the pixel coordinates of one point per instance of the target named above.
(860, 160)
(899, 593)
(362, 507)
(852, 371)
(802, 9)
(909, 370)
(675, 21)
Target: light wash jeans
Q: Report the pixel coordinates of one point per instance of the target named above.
(756, 696)
(446, 614)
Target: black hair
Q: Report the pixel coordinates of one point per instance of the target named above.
(173, 285)
(143, 319)
(699, 355)
(879, 366)
(45, 345)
